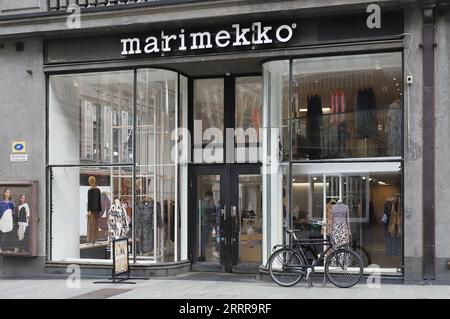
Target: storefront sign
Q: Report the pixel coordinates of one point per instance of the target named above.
(235, 36)
(228, 35)
(14, 158)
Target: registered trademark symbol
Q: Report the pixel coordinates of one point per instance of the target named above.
(294, 25)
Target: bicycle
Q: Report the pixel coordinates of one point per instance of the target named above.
(313, 230)
(289, 264)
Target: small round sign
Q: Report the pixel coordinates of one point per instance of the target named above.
(18, 147)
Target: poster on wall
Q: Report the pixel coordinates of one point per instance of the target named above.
(120, 257)
(18, 219)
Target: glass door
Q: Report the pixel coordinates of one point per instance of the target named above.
(246, 219)
(226, 218)
(208, 218)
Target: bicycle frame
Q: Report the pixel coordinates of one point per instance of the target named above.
(298, 245)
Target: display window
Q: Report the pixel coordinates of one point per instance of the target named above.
(114, 165)
(334, 146)
(347, 107)
(370, 200)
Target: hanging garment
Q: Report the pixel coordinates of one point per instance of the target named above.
(365, 114)
(337, 107)
(340, 230)
(394, 129)
(314, 126)
(145, 227)
(395, 219)
(103, 217)
(326, 230)
(387, 214)
(118, 226)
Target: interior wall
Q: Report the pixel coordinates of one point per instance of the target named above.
(301, 197)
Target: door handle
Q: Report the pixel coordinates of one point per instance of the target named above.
(233, 211)
(223, 212)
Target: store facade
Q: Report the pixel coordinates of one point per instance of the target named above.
(205, 141)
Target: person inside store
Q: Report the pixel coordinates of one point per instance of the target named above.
(207, 218)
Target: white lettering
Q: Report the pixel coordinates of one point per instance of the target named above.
(165, 40)
(240, 35)
(374, 20)
(236, 36)
(131, 46)
(223, 35)
(259, 36)
(213, 152)
(151, 45)
(74, 19)
(183, 41)
(289, 36)
(201, 36)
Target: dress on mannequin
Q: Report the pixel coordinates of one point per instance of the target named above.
(118, 226)
(94, 209)
(340, 230)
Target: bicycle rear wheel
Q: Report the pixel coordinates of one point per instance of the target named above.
(285, 267)
(344, 268)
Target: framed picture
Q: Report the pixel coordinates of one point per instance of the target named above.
(18, 219)
(121, 263)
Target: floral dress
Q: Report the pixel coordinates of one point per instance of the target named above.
(340, 230)
(118, 226)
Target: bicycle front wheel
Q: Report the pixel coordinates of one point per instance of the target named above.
(344, 268)
(286, 267)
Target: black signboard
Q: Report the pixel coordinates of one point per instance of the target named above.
(232, 35)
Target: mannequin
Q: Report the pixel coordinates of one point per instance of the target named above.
(340, 229)
(118, 226)
(94, 209)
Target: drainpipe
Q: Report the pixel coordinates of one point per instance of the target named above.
(428, 121)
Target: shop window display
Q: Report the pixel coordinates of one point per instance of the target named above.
(347, 107)
(102, 188)
(363, 209)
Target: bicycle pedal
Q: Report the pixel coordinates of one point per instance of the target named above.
(310, 284)
(308, 272)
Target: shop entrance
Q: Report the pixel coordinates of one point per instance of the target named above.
(225, 184)
(226, 215)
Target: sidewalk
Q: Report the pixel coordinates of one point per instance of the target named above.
(210, 286)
